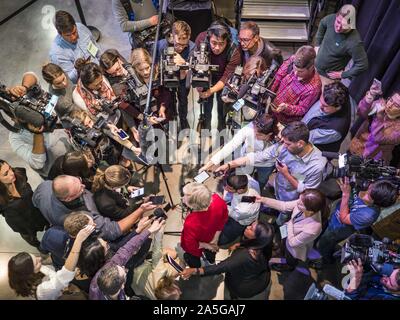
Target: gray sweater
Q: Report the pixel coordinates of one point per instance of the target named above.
(336, 50)
(142, 14)
(55, 212)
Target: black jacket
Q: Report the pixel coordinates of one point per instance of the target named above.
(245, 277)
(112, 204)
(20, 214)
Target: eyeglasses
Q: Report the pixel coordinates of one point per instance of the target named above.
(246, 41)
(180, 45)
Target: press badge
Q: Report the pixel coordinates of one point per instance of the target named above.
(283, 231)
(92, 49)
(238, 104)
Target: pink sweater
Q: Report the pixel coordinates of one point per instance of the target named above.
(303, 232)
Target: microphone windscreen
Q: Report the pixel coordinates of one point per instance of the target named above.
(28, 115)
(242, 91)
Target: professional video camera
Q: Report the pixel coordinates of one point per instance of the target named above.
(170, 72)
(381, 256)
(36, 108)
(85, 136)
(231, 88)
(137, 91)
(361, 171)
(199, 74)
(327, 292)
(146, 37)
(256, 89)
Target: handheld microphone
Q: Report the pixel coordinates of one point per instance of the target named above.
(334, 293)
(242, 91)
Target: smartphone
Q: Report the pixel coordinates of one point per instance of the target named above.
(203, 176)
(279, 162)
(167, 207)
(159, 120)
(174, 264)
(137, 193)
(157, 199)
(249, 199)
(158, 213)
(122, 135)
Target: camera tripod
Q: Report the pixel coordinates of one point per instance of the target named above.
(200, 126)
(157, 165)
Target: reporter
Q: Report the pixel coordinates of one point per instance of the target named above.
(355, 212)
(141, 62)
(111, 189)
(115, 69)
(72, 42)
(181, 32)
(76, 163)
(66, 194)
(252, 45)
(379, 132)
(241, 214)
(29, 278)
(256, 136)
(108, 282)
(38, 148)
(149, 277)
(372, 286)
(225, 54)
(61, 86)
(110, 150)
(134, 16)
(16, 204)
(92, 88)
(304, 226)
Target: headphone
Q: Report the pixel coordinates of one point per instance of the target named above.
(221, 27)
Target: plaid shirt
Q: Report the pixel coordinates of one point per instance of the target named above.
(299, 95)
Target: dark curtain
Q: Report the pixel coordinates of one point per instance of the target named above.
(378, 22)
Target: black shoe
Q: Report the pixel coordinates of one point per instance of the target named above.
(282, 267)
(316, 264)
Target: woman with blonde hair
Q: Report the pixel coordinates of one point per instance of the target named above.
(205, 222)
(141, 62)
(111, 189)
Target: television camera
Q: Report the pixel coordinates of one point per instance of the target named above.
(200, 69)
(360, 171)
(326, 293)
(36, 107)
(170, 72)
(256, 89)
(231, 90)
(137, 91)
(381, 256)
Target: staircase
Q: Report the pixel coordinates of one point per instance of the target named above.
(279, 21)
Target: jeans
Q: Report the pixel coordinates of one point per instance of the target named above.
(329, 239)
(208, 106)
(195, 262)
(263, 174)
(182, 95)
(232, 230)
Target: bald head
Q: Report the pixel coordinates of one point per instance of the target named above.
(67, 188)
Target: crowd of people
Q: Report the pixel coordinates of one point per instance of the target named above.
(103, 242)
